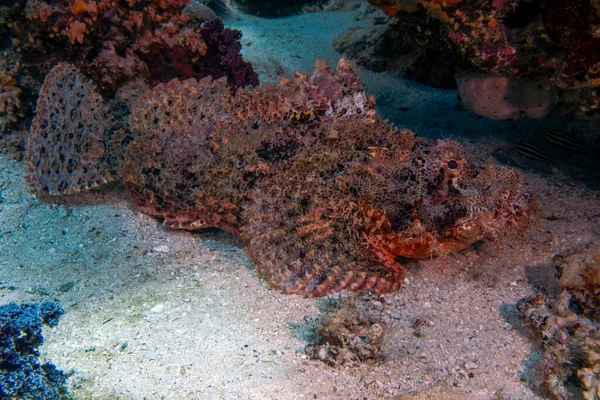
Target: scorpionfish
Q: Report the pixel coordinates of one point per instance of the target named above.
(326, 195)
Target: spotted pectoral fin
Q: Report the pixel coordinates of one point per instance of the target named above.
(66, 152)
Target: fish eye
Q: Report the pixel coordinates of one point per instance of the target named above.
(452, 164)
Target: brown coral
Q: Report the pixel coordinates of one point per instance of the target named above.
(474, 26)
(115, 42)
(11, 107)
(348, 336)
(66, 153)
(568, 326)
(326, 195)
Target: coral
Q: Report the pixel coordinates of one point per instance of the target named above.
(500, 97)
(66, 149)
(115, 42)
(573, 24)
(550, 42)
(11, 107)
(21, 375)
(326, 195)
(349, 336)
(406, 45)
(474, 26)
(567, 325)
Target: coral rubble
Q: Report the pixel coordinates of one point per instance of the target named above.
(348, 336)
(567, 326)
(326, 194)
(21, 374)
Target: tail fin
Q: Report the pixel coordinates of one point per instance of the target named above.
(66, 152)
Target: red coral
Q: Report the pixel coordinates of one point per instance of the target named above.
(552, 41)
(475, 26)
(112, 41)
(574, 24)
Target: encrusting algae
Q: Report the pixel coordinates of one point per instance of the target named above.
(566, 325)
(326, 194)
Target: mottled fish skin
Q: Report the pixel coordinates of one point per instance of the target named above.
(530, 151)
(566, 141)
(326, 194)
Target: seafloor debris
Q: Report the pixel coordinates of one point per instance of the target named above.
(349, 336)
(326, 194)
(567, 325)
(21, 374)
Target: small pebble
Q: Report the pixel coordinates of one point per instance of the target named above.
(161, 249)
(471, 365)
(158, 307)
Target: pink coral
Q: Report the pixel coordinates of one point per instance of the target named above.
(114, 40)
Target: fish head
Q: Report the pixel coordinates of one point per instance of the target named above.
(432, 200)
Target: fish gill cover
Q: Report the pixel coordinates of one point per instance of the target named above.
(325, 193)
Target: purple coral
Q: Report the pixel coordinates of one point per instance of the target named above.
(21, 374)
(224, 54)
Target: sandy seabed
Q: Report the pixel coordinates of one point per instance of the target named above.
(153, 313)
